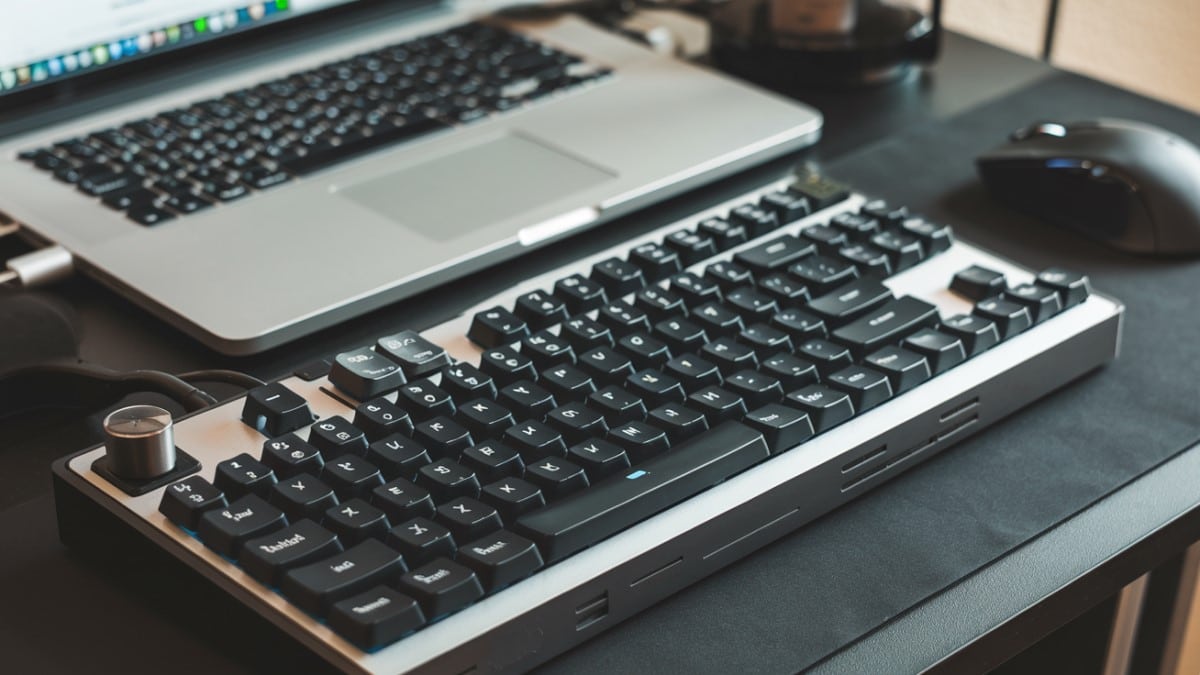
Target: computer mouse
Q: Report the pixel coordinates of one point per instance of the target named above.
(1131, 185)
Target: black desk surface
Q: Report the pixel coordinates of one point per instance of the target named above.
(895, 581)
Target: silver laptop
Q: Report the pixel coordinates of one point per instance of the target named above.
(254, 172)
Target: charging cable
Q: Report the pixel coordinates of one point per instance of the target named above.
(37, 268)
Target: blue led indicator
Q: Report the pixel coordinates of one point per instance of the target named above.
(636, 474)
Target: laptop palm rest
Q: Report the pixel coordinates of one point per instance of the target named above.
(442, 198)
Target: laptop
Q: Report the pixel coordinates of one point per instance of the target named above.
(253, 172)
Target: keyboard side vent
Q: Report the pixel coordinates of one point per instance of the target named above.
(589, 612)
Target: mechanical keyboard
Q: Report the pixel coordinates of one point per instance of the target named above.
(489, 492)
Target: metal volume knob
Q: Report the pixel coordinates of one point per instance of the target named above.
(141, 442)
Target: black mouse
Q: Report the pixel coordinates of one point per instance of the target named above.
(1133, 186)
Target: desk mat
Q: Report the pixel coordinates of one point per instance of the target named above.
(806, 596)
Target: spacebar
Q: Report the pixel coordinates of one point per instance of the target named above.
(607, 508)
(319, 159)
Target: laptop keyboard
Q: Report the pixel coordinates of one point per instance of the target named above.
(223, 149)
(380, 495)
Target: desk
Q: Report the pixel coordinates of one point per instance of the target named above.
(63, 616)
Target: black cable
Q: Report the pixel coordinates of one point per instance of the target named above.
(224, 376)
(70, 384)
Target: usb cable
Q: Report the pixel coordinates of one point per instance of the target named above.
(37, 268)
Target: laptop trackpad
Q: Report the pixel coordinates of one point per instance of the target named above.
(455, 194)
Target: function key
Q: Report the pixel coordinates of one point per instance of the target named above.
(903, 368)
(757, 221)
(775, 254)
(787, 206)
(398, 456)
(242, 474)
(224, 530)
(724, 234)
(1043, 302)
(380, 417)
(424, 401)
(273, 409)
(302, 496)
(315, 587)
(977, 283)
(467, 518)
(501, 558)
(506, 365)
(870, 260)
(856, 226)
(287, 455)
(420, 540)
(883, 212)
(351, 476)
(695, 290)
(692, 247)
(540, 310)
(184, 502)
(617, 276)
(936, 238)
(335, 436)
(495, 327)
(267, 558)
(825, 407)
(375, 618)
(1010, 317)
(1073, 288)
(828, 239)
(364, 373)
(464, 381)
(821, 274)
(442, 587)
(355, 521)
(579, 294)
(943, 351)
(782, 427)
(820, 191)
(657, 262)
(416, 356)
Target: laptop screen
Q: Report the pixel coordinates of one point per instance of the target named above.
(49, 42)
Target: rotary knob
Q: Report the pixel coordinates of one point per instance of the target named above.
(141, 442)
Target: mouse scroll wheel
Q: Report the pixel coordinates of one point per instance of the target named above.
(1040, 129)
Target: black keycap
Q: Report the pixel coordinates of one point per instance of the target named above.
(787, 206)
(775, 254)
(546, 349)
(643, 350)
(186, 202)
(287, 456)
(576, 421)
(617, 276)
(716, 319)
(825, 407)
(1042, 302)
(727, 275)
(717, 404)
(535, 440)
(605, 365)
(556, 477)
(655, 387)
(526, 400)
(335, 436)
(887, 324)
(401, 500)
(694, 372)
(870, 260)
(415, 355)
(785, 289)
(397, 456)
(695, 290)
(751, 303)
(800, 325)
(148, 214)
(1010, 318)
(351, 476)
(185, 501)
(819, 190)
(487, 418)
(885, 213)
(316, 586)
(567, 382)
(540, 310)
(468, 519)
(943, 351)
(679, 421)
(328, 154)
(858, 227)
(758, 389)
(903, 368)
(692, 247)
(903, 250)
(764, 339)
(355, 520)
(977, 333)
(1073, 288)
(242, 475)
(598, 458)
(782, 427)
(584, 334)
(579, 294)
(656, 262)
(380, 417)
(424, 401)
(442, 587)
(614, 505)
(658, 303)
(850, 301)
(829, 240)
(442, 436)
(513, 497)
(224, 530)
(935, 238)
(375, 618)
(821, 274)
(501, 558)
(464, 382)
(302, 496)
(421, 540)
(757, 220)
(827, 356)
(977, 282)
(623, 318)
(867, 388)
(791, 371)
(492, 460)
(505, 365)
(729, 355)
(495, 327)
(268, 558)
(364, 373)
(446, 479)
(639, 439)
(137, 198)
(274, 410)
(617, 405)
(680, 335)
(724, 234)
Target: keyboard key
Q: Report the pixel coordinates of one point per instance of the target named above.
(800, 325)
(903, 368)
(775, 254)
(728, 275)
(764, 339)
(692, 247)
(465, 382)
(335, 436)
(617, 405)
(870, 261)
(351, 476)
(375, 618)
(415, 355)
(288, 456)
(446, 479)
(655, 387)
(821, 274)
(695, 290)
(693, 372)
(605, 365)
(757, 389)
(617, 276)
(224, 530)
(656, 262)
(717, 319)
(679, 421)
(903, 250)
(567, 382)
(492, 460)
(826, 407)
(935, 238)
(468, 519)
(327, 154)
(643, 350)
(268, 558)
(302, 496)
(867, 388)
(424, 401)
(241, 475)
(442, 587)
(316, 586)
(1010, 318)
(401, 500)
(185, 501)
(850, 301)
(977, 283)
(977, 333)
(658, 303)
(858, 227)
(791, 371)
(540, 310)
(379, 418)
(442, 436)
(1041, 301)
(598, 458)
(785, 289)
(820, 191)
(579, 294)
(614, 505)
(827, 356)
(505, 365)
(584, 334)
(757, 220)
(513, 497)
(364, 373)
(885, 213)
(943, 351)
(148, 214)
(1072, 288)
(787, 206)
(639, 439)
(724, 234)
(397, 456)
(526, 400)
(556, 477)
(576, 421)
(829, 240)
(355, 520)
(421, 540)
(546, 349)
(782, 427)
(752, 304)
(496, 327)
(274, 410)
(680, 335)
(501, 558)
(887, 324)
(717, 404)
(535, 440)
